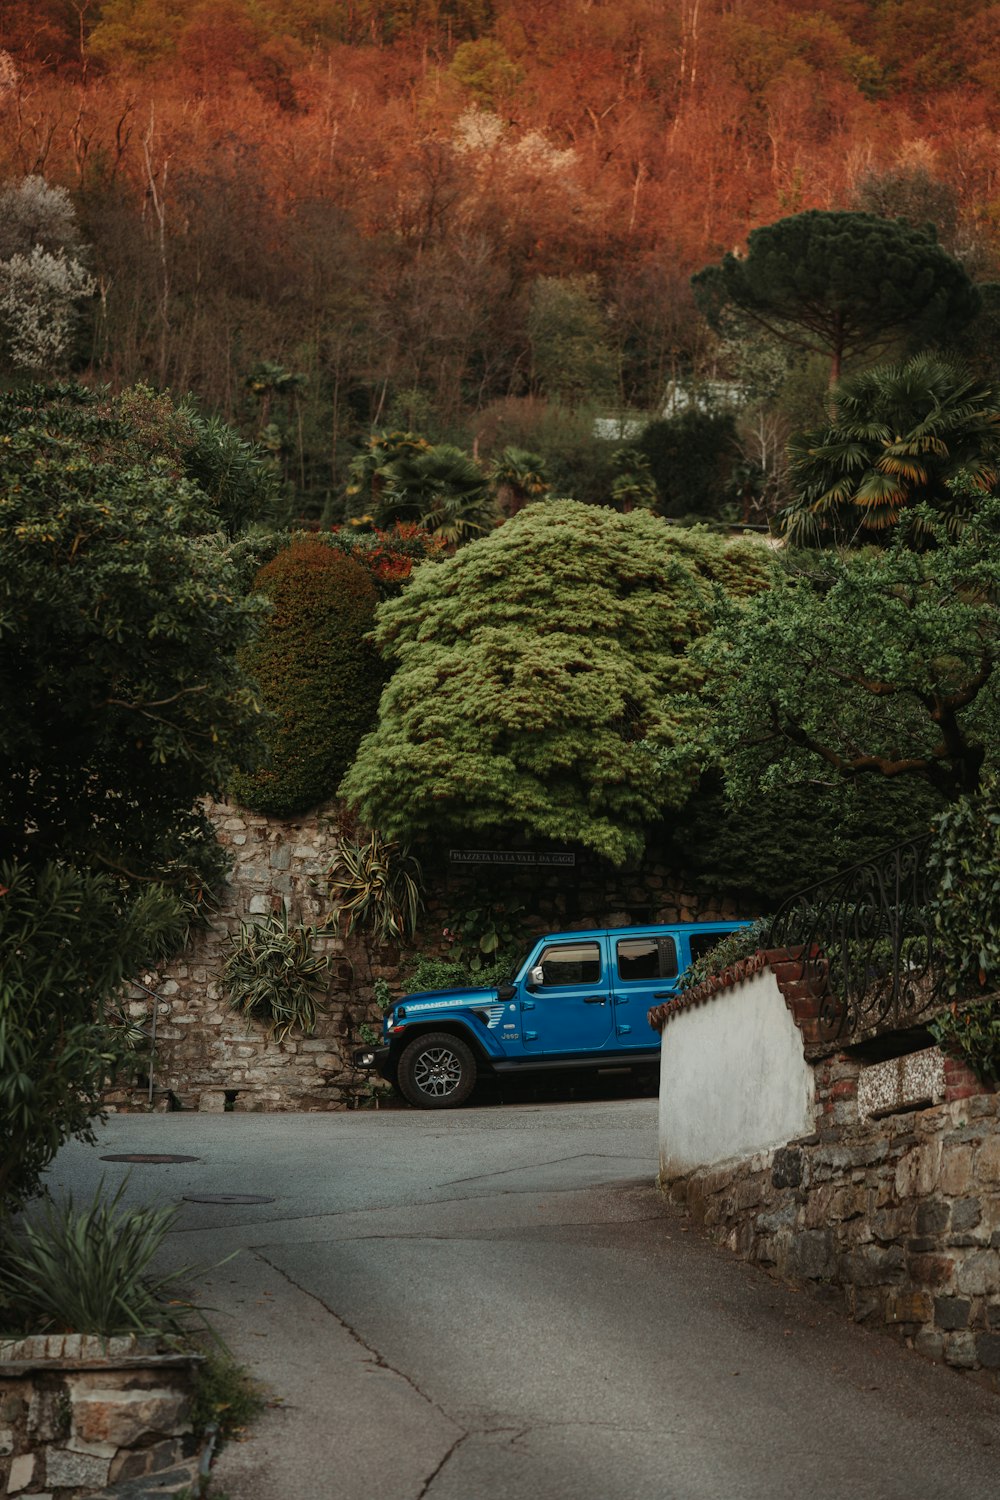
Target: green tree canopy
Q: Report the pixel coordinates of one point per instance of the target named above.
(532, 670)
(869, 664)
(925, 431)
(840, 283)
(318, 676)
(120, 619)
(121, 703)
(571, 355)
(691, 457)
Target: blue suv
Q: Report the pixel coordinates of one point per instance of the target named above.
(578, 1000)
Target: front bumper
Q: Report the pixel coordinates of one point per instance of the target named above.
(371, 1059)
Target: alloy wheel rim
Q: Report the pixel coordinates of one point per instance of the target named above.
(437, 1072)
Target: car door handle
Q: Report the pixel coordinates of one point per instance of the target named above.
(664, 994)
(594, 1000)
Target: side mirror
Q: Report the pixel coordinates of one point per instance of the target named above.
(506, 990)
(536, 977)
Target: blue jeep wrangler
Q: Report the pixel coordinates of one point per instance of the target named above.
(578, 1000)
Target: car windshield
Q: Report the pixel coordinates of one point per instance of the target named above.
(515, 969)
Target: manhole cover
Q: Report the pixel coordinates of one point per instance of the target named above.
(224, 1198)
(149, 1157)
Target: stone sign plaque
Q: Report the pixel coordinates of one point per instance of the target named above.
(529, 858)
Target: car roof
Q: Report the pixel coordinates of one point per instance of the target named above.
(722, 924)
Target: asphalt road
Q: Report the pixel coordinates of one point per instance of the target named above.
(496, 1303)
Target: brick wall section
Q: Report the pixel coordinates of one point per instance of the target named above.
(205, 1057)
(960, 1082)
(803, 992)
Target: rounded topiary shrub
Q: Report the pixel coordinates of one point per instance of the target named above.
(319, 679)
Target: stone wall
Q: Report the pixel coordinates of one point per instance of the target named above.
(206, 1059)
(205, 1056)
(79, 1413)
(891, 1209)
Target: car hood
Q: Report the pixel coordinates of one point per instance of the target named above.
(425, 1002)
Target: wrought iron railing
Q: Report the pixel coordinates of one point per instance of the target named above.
(865, 943)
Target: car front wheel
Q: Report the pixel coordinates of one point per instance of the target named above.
(436, 1071)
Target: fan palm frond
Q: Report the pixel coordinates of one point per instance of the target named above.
(923, 432)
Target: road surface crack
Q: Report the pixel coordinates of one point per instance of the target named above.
(532, 1166)
(445, 1460)
(375, 1355)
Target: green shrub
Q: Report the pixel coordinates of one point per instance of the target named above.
(273, 976)
(451, 974)
(691, 456)
(484, 934)
(89, 1270)
(972, 1033)
(67, 940)
(318, 677)
(743, 943)
(964, 864)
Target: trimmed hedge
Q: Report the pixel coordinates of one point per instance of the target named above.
(318, 677)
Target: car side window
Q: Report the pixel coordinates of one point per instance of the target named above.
(571, 963)
(646, 958)
(702, 943)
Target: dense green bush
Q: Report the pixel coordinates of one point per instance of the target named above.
(773, 842)
(67, 940)
(540, 670)
(691, 456)
(318, 677)
(964, 864)
(122, 610)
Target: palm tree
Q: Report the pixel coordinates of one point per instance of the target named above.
(518, 477)
(443, 489)
(633, 487)
(922, 432)
(371, 469)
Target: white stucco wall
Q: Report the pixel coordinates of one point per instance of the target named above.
(733, 1078)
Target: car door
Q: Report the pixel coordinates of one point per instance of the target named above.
(644, 972)
(570, 1011)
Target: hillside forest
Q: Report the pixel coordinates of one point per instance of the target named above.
(479, 221)
(364, 365)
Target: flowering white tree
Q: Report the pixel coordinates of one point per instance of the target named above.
(42, 276)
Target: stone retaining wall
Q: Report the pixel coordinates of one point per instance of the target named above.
(78, 1413)
(892, 1210)
(900, 1220)
(207, 1059)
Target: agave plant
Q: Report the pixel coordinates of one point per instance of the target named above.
(377, 886)
(272, 975)
(89, 1270)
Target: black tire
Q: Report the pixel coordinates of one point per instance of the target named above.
(436, 1071)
